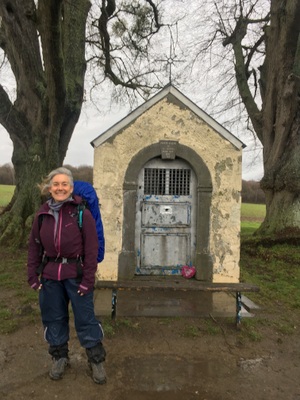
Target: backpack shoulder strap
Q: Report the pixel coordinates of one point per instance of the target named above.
(80, 209)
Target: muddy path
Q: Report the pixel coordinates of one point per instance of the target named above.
(159, 358)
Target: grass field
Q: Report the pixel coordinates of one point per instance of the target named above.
(252, 212)
(6, 192)
(252, 216)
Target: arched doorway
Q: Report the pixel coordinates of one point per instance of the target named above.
(165, 227)
(129, 257)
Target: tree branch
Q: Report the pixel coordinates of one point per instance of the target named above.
(106, 13)
(242, 73)
(14, 122)
(155, 13)
(105, 44)
(253, 51)
(18, 23)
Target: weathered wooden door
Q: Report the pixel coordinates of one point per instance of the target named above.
(165, 223)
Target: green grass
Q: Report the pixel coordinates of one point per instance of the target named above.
(112, 327)
(6, 193)
(252, 216)
(248, 228)
(251, 212)
(18, 303)
(251, 330)
(8, 323)
(275, 269)
(191, 331)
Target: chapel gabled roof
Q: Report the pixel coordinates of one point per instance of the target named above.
(175, 96)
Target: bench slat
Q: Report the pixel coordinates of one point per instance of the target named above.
(183, 284)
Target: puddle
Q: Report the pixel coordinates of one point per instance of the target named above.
(157, 373)
(174, 304)
(170, 395)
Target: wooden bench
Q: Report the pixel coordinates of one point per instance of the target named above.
(178, 283)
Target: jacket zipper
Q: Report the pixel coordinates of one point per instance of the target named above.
(58, 235)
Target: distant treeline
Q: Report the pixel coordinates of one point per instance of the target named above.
(251, 191)
(81, 173)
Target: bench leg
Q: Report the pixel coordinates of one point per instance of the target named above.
(238, 309)
(114, 303)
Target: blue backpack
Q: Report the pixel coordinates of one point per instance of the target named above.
(91, 202)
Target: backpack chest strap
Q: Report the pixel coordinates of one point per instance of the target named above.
(64, 260)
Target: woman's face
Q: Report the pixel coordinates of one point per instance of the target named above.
(60, 188)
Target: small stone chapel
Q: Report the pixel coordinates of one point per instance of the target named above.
(169, 181)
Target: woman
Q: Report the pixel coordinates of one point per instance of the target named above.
(68, 256)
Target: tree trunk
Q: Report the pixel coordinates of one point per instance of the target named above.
(49, 96)
(281, 121)
(32, 163)
(277, 121)
(16, 222)
(281, 183)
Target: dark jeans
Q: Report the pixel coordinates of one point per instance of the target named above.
(54, 300)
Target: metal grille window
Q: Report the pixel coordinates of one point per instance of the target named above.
(160, 181)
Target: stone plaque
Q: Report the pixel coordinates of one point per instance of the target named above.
(168, 149)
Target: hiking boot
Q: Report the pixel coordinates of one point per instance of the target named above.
(98, 373)
(58, 368)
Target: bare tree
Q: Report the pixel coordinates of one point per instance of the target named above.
(44, 44)
(262, 39)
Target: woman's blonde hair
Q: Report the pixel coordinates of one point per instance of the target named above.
(47, 182)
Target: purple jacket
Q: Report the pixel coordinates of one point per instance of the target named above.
(68, 242)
